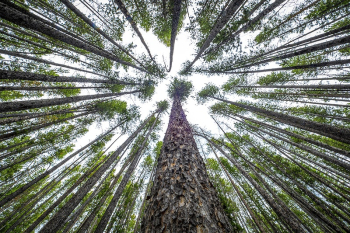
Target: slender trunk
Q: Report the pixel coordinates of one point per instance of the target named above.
(282, 212)
(87, 223)
(251, 213)
(40, 60)
(42, 88)
(220, 23)
(319, 86)
(297, 197)
(174, 29)
(310, 49)
(181, 185)
(29, 104)
(133, 25)
(31, 129)
(310, 66)
(291, 134)
(62, 214)
(308, 149)
(89, 22)
(144, 198)
(23, 19)
(18, 75)
(109, 211)
(342, 135)
(48, 172)
(27, 116)
(253, 21)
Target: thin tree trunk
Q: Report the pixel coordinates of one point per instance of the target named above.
(18, 75)
(31, 129)
(22, 19)
(29, 104)
(174, 29)
(37, 179)
(342, 135)
(109, 211)
(62, 214)
(253, 21)
(181, 186)
(89, 22)
(17, 54)
(251, 213)
(319, 86)
(220, 23)
(133, 25)
(282, 212)
(306, 139)
(310, 66)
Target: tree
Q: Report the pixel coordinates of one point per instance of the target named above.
(192, 197)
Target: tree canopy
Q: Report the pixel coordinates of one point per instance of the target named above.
(82, 114)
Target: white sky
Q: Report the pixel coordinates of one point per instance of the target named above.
(184, 50)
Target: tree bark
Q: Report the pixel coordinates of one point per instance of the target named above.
(62, 214)
(37, 179)
(89, 22)
(109, 211)
(342, 135)
(133, 25)
(182, 198)
(29, 104)
(20, 18)
(175, 23)
(18, 75)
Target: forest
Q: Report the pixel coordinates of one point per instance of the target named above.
(155, 116)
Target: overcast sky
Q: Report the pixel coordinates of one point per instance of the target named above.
(184, 50)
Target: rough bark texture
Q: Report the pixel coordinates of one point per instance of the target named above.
(182, 198)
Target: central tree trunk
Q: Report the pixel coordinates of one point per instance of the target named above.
(182, 198)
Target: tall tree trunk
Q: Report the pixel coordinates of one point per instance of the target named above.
(22, 19)
(48, 172)
(253, 21)
(19, 75)
(62, 214)
(175, 23)
(310, 66)
(88, 21)
(31, 129)
(251, 213)
(40, 60)
(342, 135)
(136, 158)
(220, 23)
(29, 104)
(133, 25)
(282, 212)
(181, 186)
(306, 139)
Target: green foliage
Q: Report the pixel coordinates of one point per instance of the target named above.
(108, 109)
(180, 88)
(162, 105)
(209, 90)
